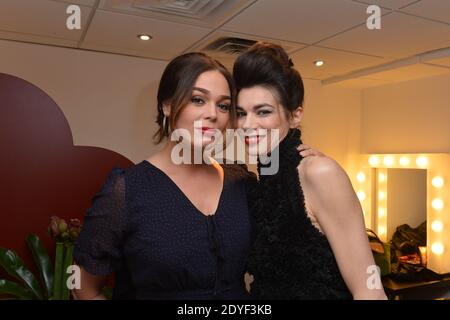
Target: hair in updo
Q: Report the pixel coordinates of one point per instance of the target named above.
(268, 65)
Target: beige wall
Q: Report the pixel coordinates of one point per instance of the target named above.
(331, 120)
(109, 100)
(408, 117)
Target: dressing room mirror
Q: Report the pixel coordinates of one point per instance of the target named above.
(406, 199)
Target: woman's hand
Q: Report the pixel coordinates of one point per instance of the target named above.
(91, 286)
(306, 151)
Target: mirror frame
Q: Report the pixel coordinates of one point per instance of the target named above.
(438, 198)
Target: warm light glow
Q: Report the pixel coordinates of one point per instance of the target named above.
(437, 226)
(422, 161)
(381, 177)
(361, 177)
(381, 212)
(437, 248)
(404, 161)
(388, 161)
(373, 161)
(437, 204)
(144, 37)
(361, 195)
(381, 230)
(381, 195)
(319, 63)
(437, 182)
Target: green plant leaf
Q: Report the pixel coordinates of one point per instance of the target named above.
(14, 266)
(57, 283)
(68, 260)
(42, 260)
(12, 288)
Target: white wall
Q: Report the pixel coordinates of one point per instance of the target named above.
(408, 117)
(108, 100)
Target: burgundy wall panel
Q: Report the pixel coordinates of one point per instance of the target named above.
(42, 173)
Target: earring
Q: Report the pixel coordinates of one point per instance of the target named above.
(164, 122)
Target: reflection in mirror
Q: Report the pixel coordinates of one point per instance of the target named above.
(407, 198)
(402, 211)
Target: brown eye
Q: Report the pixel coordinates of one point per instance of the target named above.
(264, 112)
(241, 114)
(197, 100)
(224, 106)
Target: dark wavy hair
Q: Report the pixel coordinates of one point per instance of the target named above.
(177, 81)
(268, 65)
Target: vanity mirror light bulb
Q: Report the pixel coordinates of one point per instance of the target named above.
(381, 212)
(373, 161)
(437, 248)
(361, 195)
(361, 177)
(388, 161)
(437, 182)
(437, 226)
(404, 161)
(437, 204)
(381, 195)
(422, 161)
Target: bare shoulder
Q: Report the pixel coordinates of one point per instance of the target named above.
(320, 169)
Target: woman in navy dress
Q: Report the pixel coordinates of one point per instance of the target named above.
(173, 231)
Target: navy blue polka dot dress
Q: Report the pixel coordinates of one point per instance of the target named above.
(160, 246)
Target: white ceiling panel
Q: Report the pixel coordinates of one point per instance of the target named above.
(401, 35)
(115, 32)
(300, 21)
(432, 9)
(42, 21)
(228, 59)
(388, 4)
(204, 13)
(89, 3)
(337, 62)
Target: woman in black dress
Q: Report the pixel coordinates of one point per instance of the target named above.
(310, 240)
(173, 231)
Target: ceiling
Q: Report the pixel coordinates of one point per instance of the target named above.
(331, 30)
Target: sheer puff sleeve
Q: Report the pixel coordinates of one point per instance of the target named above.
(99, 247)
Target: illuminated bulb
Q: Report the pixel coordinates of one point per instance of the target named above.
(381, 212)
(144, 37)
(437, 226)
(388, 161)
(373, 161)
(437, 204)
(422, 161)
(437, 182)
(361, 195)
(319, 63)
(437, 248)
(381, 195)
(361, 177)
(404, 161)
(381, 230)
(381, 177)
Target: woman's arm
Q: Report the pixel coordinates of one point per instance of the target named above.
(91, 287)
(333, 202)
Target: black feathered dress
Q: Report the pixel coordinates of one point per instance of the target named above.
(290, 258)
